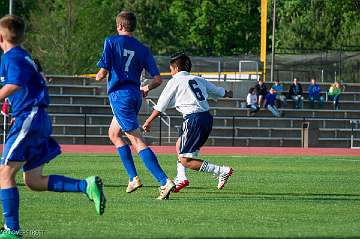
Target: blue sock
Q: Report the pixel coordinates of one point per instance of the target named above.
(152, 164)
(59, 183)
(127, 160)
(10, 203)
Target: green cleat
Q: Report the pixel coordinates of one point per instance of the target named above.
(8, 234)
(94, 191)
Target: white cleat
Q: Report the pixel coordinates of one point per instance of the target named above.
(134, 185)
(224, 177)
(166, 189)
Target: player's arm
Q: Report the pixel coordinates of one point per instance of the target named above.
(155, 82)
(218, 91)
(153, 70)
(7, 90)
(148, 122)
(166, 99)
(104, 63)
(102, 73)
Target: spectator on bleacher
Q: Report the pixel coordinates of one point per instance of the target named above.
(261, 91)
(279, 96)
(334, 94)
(314, 93)
(251, 101)
(270, 100)
(295, 93)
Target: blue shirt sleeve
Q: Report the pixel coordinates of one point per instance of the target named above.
(105, 60)
(16, 75)
(150, 64)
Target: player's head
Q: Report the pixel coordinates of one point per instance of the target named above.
(313, 81)
(12, 29)
(180, 62)
(252, 90)
(126, 21)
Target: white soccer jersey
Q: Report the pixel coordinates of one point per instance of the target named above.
(188, 94)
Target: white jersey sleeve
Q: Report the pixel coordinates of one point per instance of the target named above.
(167, 97)
(214, 90)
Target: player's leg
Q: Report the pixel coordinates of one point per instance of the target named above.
(10, 199)
(124, 152)
(147, 155)
(181, 181)
(195, 131)
(34, 179)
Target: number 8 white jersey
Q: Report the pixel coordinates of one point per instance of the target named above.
(188, 94)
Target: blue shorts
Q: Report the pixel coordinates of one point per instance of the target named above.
(29, 140)
(195, 131)
(125, 104)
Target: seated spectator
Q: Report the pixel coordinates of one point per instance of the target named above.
(314, 94)
(295, 93)
(251, 101)
(279, 96)
(261, 91)
(270, 103)
(334, 94)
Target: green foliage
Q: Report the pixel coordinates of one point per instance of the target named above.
(68, 35)
(317, 24)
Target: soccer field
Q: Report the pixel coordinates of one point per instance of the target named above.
(267, 197)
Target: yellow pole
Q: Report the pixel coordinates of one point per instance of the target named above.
(263, 35)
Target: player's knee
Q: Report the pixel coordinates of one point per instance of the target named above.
(185, 162)
(113, 136)
(32, 183)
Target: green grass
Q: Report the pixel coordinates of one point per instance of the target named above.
(268, 197)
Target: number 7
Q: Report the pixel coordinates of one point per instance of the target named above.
(128, 61)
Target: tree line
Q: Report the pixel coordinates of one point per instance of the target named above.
(67, 35)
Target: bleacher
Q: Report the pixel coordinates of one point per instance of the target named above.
(81, 114)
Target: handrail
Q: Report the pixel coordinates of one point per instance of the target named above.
(168, 124)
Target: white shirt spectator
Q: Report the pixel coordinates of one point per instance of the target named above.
(251, 99)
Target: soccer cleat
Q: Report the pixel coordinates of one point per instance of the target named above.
(133, 185)
(180, 184)
(166, 189)
(95, 192)
(9, 234)
(224, 177)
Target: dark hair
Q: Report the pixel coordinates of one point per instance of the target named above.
(182, 61)
(12, 28)
(251, 90)
(127, 19)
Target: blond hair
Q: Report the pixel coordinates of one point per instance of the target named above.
(127, 19)
(12, 29)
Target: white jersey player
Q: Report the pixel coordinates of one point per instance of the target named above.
(189, 95)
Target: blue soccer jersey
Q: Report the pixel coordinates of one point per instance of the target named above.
(124, 57)
(18, 68)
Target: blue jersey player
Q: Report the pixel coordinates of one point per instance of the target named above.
(29, 145)
(189, 94)
(123, 60)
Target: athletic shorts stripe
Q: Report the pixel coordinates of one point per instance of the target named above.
(23, 132)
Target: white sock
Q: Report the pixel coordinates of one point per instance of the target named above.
(181, 171)
(210, 168)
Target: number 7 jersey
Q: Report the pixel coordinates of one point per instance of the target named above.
(188, 94)
(124, 57)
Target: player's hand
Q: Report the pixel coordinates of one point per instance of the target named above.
(228, 94)
(145, 90)
(146, 127)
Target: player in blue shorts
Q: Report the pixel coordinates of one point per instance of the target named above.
(29, 145)
(189, 94)
(123, 60)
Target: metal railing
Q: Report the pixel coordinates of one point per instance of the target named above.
(150, 103)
